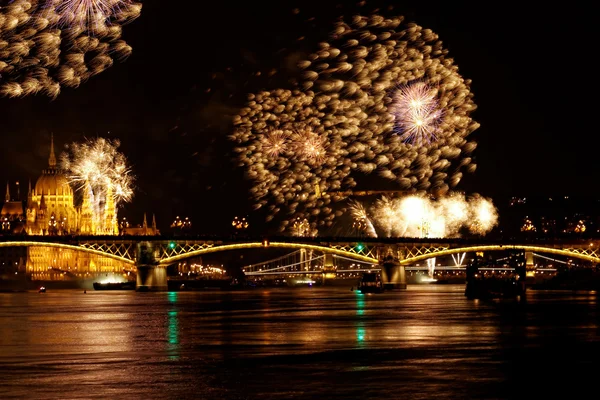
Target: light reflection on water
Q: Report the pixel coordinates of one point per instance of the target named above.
(426, 342)
(360, 325)
(173, 329)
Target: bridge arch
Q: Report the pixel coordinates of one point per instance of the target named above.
(256, 245)
(67, 247)
(540, 249)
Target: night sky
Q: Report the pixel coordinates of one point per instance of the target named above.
(170, 104)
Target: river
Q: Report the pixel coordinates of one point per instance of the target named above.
(427, 342)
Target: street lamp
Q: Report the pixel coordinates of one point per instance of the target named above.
(181, 224)
(239, 223)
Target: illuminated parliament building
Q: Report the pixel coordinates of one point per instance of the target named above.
(51, 209)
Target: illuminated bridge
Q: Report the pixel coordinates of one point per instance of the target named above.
(150, 255)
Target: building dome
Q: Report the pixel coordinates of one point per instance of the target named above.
(53, 182)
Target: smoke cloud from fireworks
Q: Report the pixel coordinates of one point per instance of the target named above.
(422, 216)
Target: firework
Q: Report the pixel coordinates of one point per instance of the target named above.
(100, 172)
(91, 15)
(416, 113)
(422, 216)
(309, 147)
(301, 227)
(83, 14)
(380, 97)
(430, 267)
(361, 220)
(49, 44)
(274, 143)
(483, 215)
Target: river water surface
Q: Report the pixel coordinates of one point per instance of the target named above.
(428, 342)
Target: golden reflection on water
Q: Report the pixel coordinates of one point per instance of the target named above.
(327, 343)
(426, 333)
(46, 327)
(312, 329)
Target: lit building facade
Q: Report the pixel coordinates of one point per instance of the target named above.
(51, 210)
(139, 230)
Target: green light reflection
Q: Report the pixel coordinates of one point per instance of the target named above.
(173, 297)
(173, 329)
(360, 304)
(360, 326)
(360, 334)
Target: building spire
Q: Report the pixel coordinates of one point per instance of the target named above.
(7, 198)
(52, 159)
(145, 224)
(153, 223)
(29, 196)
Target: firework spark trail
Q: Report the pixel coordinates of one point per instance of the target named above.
(97, 168)
(430, 267)
(353, 96)
(83, 14)
(45, 46)
(359, 213)
(421, 216)
(310, 147)
(274, 143)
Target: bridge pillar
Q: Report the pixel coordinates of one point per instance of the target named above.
(529, 266)
(151, 277)
(471, 283)
(529, 260)
(305, 259)
(519, 262)
(328, 267)
(393, 274)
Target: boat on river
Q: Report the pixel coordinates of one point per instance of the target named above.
(370, 283)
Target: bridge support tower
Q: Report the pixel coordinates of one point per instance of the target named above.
(519, 262)
(393, 275)
(328, 267)
(151, 277)
(529, 267)
(470, 284)
(305, 259)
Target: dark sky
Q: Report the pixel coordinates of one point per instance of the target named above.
(533, 73)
